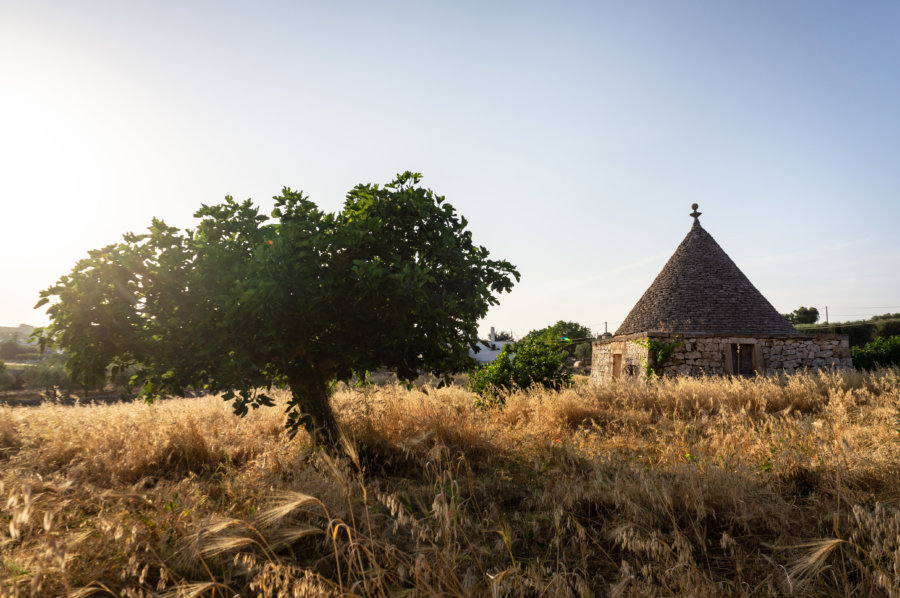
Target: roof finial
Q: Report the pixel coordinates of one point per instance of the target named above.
(695, 213)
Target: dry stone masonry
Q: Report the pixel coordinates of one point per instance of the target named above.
(707, 355)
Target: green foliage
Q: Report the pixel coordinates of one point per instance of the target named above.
(7, 380)
(886, 317)
(859, 332)
(564, 334)
(12, 350)
(883, 351)
(887, 327)
(803, 315)
(124, 379)
(583, 351)
(9, 349)
(520, 365)
(304, 299)
(658, 354)
(503, 335)
(48, 375)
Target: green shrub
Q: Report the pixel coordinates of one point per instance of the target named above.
(887, 327)
(583, 351)
(7, 380)
(886, 317)
(860, 332)
(11, 350)
(883, 351)
(520, 365)
(47, 375)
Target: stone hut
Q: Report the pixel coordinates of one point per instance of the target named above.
(704, 300)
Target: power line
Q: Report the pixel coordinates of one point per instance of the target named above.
(865, 307)
(834, 317)
(834, 325)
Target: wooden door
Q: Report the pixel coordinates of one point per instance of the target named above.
(742, 359)
(617, 365)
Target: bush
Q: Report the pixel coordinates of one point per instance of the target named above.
(583, 351)
(886, 317)
(47, 375)
(883, 351)
(860, 332)
(887, 327)
(7, 380)
(520, 365)
(11, 350)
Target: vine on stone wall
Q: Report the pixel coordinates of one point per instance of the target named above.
(658, 353)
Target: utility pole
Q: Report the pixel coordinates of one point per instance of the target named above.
(826, 314)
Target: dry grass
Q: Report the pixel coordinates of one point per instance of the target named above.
(775, 486)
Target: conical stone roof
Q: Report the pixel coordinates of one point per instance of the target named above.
(701, 291)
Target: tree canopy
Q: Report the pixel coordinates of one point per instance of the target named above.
(302, 299)
(565, 335)
(803, 315)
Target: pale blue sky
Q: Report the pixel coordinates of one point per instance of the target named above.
(573, 136)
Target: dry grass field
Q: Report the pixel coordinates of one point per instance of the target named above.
(695, 487)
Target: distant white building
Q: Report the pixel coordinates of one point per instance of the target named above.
(488, 351)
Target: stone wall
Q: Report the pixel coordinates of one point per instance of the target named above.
(712, 355)
(812, 352)
(602, 357)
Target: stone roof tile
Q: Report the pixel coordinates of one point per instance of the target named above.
(702, 290)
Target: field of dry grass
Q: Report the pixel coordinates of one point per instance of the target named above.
(684, 487)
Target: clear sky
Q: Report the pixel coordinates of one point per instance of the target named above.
(573, 136)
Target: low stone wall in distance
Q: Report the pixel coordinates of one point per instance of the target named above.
(712, 354)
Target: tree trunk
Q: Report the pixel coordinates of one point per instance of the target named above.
(309, 407)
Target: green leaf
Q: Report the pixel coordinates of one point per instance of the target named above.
(393, 280)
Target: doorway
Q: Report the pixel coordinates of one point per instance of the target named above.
(617, 365)
(742, 359)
